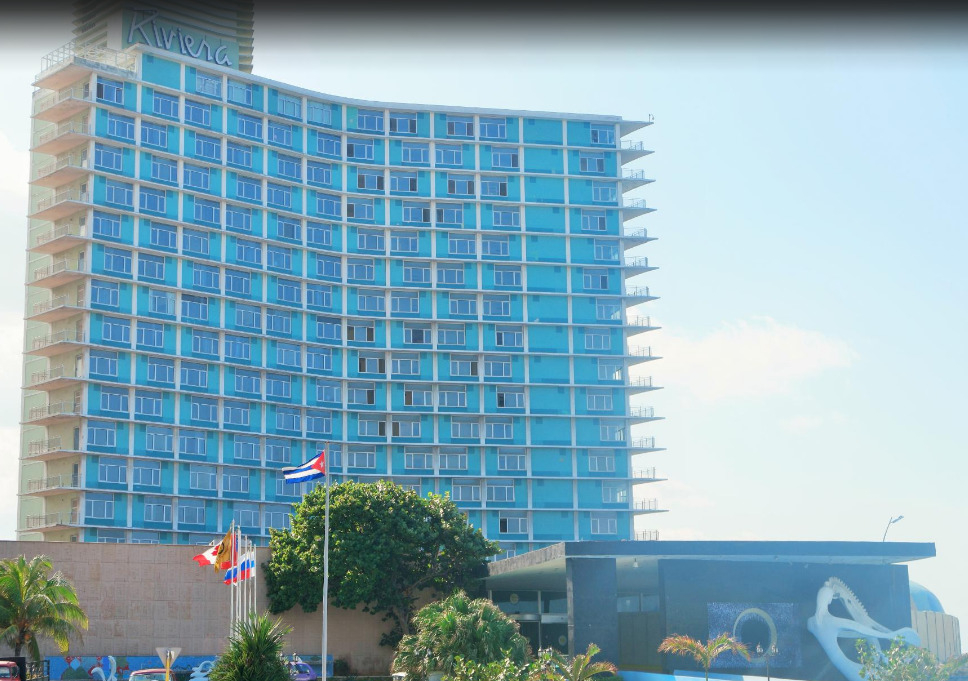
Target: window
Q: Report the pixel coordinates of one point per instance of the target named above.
(118, 193)
(238, 154)
(507, 276)
(461, 244)
(249, 188)
(321, 114)
(201, 477)
(603, 134)
(612, 431)
(591, 162)
(207, 211)
(150, 335)
(112, 471)
(414, 211)
(466, 491)
(154, 135)
(328, 145)
(513, 524)
(610, 369)
(608, 309)
(416, 273)
(101, 434)
(278, 195)
(371, 426)
(360, 393)
(606, 250)
(196, 177)
(460, 184)
(450, 274)
(147, 403)
(328, 205)
(194, 307)
(151, 267)
(452, 396)
(116, 330)
(416, 395)
(403, 242)
(371, 364)
(204, 276)
(161, 370)
(494, 186)
(370, 240)
(360, 269)
(237, 347)
(498, 429)
(597, 339)
(405, 302)
(194, 375)
(114, 399)
(615, 493)
(603, 523)
(278, 385)
(237, 282)
(601, 461)
(164, 105)
(289, 419)
(510, 398)
(463, 365)
(495, 246)
(204, 409)
(460, 126)
(99, 506)
(152, 200)
(418, 458)
(599, 400)
(594, 279)
(362, 209)
(249, 126)
(209, 148)
(603, 192)
(204, 342)
(198, 113)
(163, 236)
(246, 516)
(449, 154)
(465, 428)
(507, 217)
(455, 459)
(191, 512)
(450, 334)
(248, 252)
(370, 300)
(289, 291)
(414, 334)
(110, 91)
(207, 84)
(289, 105)
(107, 224)
(107, 158)
(360, 150)
(148, 473)
(407, 426)
(279, 257)
(493, 128)
(511, 460)
(497, 305)
(509, 337)
(450, 214)
(240, 93)
(161, 302)
(121, 127)
(360, 457)
(369, 120)
(403, 122)
(104, 293)
(500, 490)
(278, 321)
(415, 153)
(157, 510)
(320, 359)
(405, 364)
(318, 234)
(497, 366)
(504, 158)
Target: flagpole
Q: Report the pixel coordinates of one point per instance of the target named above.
(231, 594)
(326, 460)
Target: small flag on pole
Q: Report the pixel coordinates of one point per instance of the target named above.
(243, 571)
(223, 552)
(312, 469)
(207, 557)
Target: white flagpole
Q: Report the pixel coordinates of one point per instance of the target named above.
(231, 593)
(235, 585)
(326, 461)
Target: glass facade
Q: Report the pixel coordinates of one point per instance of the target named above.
(227, 274)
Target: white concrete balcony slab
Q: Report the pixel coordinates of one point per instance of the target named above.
(57, 107)
(55, 343)
(50, 414)
(62, 170)
(55, 484)
(61, 237)
(61, 205)
(58, 139)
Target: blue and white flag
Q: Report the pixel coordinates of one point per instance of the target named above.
(312, 469)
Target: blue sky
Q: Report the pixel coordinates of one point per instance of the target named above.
(809, 190)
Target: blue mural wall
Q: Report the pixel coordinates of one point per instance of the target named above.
(118, 668)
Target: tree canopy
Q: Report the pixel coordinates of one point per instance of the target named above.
(703, 653)
(906, 662)
(387, 544)
(35, 603)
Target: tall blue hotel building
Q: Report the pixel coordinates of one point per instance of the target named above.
(226, 274)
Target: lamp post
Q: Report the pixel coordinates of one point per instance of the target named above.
(766, 656)
(889, 523)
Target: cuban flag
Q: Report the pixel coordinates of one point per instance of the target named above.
(244, 570)
(312, 469)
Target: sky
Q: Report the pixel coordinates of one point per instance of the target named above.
(809, 189)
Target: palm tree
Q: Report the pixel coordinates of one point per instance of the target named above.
(579, 668)
(459, 626)
(34, 603)
(254, 652)
(703, 653)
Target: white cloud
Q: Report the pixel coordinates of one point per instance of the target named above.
(14, 173)
(9, 450)
(804, 423)
(748, 358)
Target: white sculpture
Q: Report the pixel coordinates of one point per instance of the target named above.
(828, 628)
(99, 671)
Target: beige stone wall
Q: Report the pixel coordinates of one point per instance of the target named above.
(139, 597)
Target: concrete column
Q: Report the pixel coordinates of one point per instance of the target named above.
(592, 602)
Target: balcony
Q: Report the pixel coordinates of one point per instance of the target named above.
(52, 521)
(52, 485)
(61, 105)
(634, 178)
(54, 310)
(645, 475)
(643, 415)
(48, 450)
(646, 535)
(636, 237)
(69, 63)
(60, 171)
(52, 379)
(644, 444)
(640, 294)
(638, 354)
(637, 264)
(55, 343)
(58, 139)
(640, 324)
(50, 414)
(628, 127)
(632, 208)
(61, 237)
(640, 506)
(56, 274)
(641, 384)
(632, 150)
(61, 204)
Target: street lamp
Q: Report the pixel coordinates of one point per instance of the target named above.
(768, 654)
(889, 523)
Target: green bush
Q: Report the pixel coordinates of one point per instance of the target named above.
(254, 652)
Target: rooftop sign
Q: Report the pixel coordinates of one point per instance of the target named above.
(148, 27)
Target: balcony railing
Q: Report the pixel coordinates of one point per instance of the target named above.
(38, 377)
(55, 267)
(644, 474)
(39, 447)
(646, 505)
(77, 94)
(639, 351)
(633, 175)
(640, 322)
(642, 443)
(66, 336)
(68, 228)
(53, 482)
(630, 145)
(642, 412)
(637, 292)
(61, 197)
(99, 55)
(636, 261)
(634, 204)
(48, 305)
(68, 161)
(640, 382)
(36, 522)
(54, 409)
(69, 128)
(647, 535)
(636, 233)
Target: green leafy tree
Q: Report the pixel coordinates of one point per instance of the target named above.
(254, 652)
(35, 603)
(578, 668)
(474, 630)
(906, 662)
(387, 544)
(702, 653)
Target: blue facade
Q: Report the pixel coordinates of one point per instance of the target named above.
(438, 297)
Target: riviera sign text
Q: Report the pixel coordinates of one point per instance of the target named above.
(150, 32)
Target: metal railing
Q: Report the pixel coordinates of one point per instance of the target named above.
(70, 160)
(646, 505)
(38, 377)
(35, 522)
(637, 292)
(633, 175)
(644, 474)
(639, 322)
(636, 233)
(55, 409)
(636, 261)
(55, 267)
(53, 482)
(639, 351)
(634, 204)
(62, 196)
(48, 305)
(640, 382)
(630, 145)
(81, 94)
(47, 446)
(91, 53)
(71, 127)
(66, 336)
(646, 535)
(642, 443)
(642, 412)
(69, 228)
